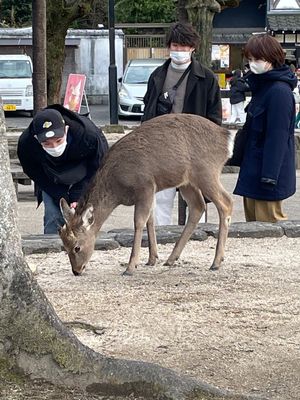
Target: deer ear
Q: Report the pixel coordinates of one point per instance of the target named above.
(66, 211)
(88, 217)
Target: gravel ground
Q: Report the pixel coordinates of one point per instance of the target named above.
(39, 390)
(237, 328)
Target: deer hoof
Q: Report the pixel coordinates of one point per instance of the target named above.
(127, 273)
(214, 267)
(169, 263)
(151, 261)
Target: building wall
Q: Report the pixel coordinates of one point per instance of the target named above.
(87, 52)
(92, 59)
(16, 50)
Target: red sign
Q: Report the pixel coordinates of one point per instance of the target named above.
(74, 92)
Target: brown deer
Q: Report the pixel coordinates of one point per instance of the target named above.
(174, 150)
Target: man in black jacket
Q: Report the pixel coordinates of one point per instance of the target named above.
(198, 93)
(60, 151)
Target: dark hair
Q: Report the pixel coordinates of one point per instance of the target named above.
(265, 47)
(183, 34)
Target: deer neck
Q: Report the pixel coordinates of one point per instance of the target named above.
(101, 213)
(104, 201)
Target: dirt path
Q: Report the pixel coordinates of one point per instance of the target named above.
(238, 328)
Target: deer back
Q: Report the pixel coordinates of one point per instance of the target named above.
(166, 151)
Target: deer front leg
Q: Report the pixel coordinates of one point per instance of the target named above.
(196, 206)
(135, 252)
(224, 207)
(153, 253)
(141, 215)
(220, 249)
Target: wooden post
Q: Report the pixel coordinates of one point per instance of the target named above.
(39, 77)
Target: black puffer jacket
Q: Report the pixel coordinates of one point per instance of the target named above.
(238, 88)
(68, 175)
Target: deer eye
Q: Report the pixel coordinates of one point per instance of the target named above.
(77, 249)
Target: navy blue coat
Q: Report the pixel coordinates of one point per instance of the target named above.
(268, 171)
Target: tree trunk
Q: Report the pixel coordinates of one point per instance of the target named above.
(56, 55)
(60, 15)
(182, 14)
(39, 54)
(34, 342)
(201, 14)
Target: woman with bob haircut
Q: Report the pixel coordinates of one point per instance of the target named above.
(267, 172)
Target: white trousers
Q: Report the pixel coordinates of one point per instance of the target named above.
(164, 202)
(237, 112)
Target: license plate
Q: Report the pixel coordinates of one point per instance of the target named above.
(9, 107)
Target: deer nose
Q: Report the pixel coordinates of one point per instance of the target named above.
(75, 272)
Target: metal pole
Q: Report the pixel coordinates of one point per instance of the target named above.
(112, 70)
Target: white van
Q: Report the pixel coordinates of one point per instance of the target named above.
(16, 82)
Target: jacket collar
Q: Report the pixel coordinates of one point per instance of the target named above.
(197, 71)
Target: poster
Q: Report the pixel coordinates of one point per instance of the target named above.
(220, 53)
(74, 92)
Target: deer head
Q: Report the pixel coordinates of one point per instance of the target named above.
(77, 236)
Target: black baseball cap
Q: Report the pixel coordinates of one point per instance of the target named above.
(48, 123)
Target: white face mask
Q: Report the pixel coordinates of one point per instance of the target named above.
(260, 66)
(180, 57)
(56, 151)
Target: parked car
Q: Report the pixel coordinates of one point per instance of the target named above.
(16, 82)
(134, 85)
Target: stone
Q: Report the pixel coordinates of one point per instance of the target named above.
(209, 229)
(291, 228)
(106, 244)
(37, 244)
(246, 229)
(255, 230)
(199, 235)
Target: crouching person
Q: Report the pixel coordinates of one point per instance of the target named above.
(60, 151)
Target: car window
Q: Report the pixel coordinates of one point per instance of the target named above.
(15, 69)
(138, 74)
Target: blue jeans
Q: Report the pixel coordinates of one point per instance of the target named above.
(53, 218)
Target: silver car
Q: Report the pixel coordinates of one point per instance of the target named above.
(134, 85)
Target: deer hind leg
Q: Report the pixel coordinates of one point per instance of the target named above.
(142, 210)
(196, 206)
(223, 203)
(153, 253)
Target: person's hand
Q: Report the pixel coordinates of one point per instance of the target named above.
(73, 205)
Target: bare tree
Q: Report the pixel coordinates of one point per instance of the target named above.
(60, 16)
(200, 13)
(182, 15)
(39, 54)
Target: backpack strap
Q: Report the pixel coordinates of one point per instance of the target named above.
(175, 87)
